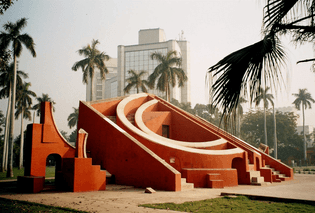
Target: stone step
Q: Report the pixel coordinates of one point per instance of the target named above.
(275, 172)
(275, 179)
(258, 180)
(217, 184)
(251, 167)
(214, 176)
(276, 175)
(186, 186)
(261, 184)
(254, 174)
(284, 178)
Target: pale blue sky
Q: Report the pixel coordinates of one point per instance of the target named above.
(213, 28)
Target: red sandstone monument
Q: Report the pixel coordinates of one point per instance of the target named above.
(143, 141)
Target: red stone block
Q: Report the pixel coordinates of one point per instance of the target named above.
(30, 184)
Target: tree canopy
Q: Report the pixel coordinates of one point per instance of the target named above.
(44, 98)
(253, 131)
(73, 118)
(168, 73)
(93, 59)
(135, 80)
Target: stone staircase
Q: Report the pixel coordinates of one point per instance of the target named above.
(214, 180)
(276, 175)
(255, 178)
(186, 186)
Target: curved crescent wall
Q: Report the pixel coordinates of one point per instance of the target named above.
(125, 139)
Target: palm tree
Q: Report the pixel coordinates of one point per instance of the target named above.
(304, 99)
(6, 76)
(1, 121)
(5, 57)
(239, 112)
(73, 118)
(266, 98)
(93, 59)
(248, 67)
(13, 35)
(168, 73)
(135, 81)
(44, 98)
(275, 132)
(5, 4)
(24, 103)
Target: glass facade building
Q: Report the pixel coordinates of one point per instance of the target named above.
(138, 58)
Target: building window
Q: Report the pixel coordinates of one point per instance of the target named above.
(113, 89)
(99, 87)
(141, 60)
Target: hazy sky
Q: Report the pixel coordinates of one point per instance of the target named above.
(213, 28)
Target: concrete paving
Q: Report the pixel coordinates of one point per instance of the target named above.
(301, 188)
(126, 199)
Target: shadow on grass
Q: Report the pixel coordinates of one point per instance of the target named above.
(7, 205)
(234, 204)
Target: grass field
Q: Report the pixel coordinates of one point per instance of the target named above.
(7, 205)
(233, 204)
(50, 172)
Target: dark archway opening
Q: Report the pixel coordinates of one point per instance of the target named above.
(257, 164)
(53, 168)
(240, 166)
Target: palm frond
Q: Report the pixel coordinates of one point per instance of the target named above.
(135, 81)
(73, 118)
(243, 69)
(28, 42)
(276, 10)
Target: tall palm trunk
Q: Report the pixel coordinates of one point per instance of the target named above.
(6, 134)
(6, 150)
(275, 133)
(265, 124)
(168, 95)
(305, 155)
(239, 125)
(10, 152)
(92, 88)
(22, 141)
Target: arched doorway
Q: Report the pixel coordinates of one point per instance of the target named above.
(240, 166)
(53, 167)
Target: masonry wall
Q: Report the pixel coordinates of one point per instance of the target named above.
(123, 156)
(180, 158)
(42, 140)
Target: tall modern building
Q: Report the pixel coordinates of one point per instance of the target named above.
(104, 88)
(137, 57)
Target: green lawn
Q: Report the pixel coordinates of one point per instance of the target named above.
(233, 204)
(50, 172)
(7, 205)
